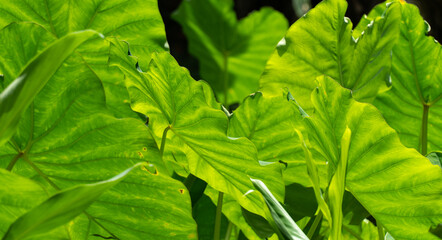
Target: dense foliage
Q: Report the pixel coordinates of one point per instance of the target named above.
(104, 136)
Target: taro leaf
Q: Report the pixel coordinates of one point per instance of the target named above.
(183, 110)
(282, 219)
(269, 122)
(404, 190)
(17, 97)
(413, 107)
(321, 43)
(59, 209)
(232, 54)
(68, 137)
(113, 18)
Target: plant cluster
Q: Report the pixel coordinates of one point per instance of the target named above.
(104, 136)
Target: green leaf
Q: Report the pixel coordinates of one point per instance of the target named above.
(404, 190)
(321, 43)
(282, 219)
(174, 101)
(68, 137)
(59, 208)
(435, 158)
(231, 53)
(138, 22)
(18, 95)
(269, 122)
(337, 186)
(413, 107)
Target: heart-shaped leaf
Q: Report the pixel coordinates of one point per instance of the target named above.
(413, 107)
(321, 43)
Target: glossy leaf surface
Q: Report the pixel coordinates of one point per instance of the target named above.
(231, 53)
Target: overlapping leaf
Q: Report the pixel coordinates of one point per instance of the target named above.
(68, 137)
(184, 109)
(270, 123)
(17, 97)
(321, 43)
(140, 23)
(231, 53)
(413, 107)
(397, 185)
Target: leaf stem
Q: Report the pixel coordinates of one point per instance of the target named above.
(424, 130)
(163, 141)
(14, 161)
(225, 78)
(381, 233)
(315, 224)
(219, 207)
(228, 231)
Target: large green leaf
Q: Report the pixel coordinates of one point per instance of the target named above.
(397, 185)
(21, 92)
(68, 137)
(269, 122)
(59, 208)
(413, 107)
(138, 22)
(231, 53)
(321, 43)
(183, 110)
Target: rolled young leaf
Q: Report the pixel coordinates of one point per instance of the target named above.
(282, 219)
(18, 95)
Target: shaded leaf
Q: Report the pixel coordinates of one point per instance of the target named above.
(231, 53)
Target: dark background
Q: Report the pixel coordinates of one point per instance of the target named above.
(431, 10)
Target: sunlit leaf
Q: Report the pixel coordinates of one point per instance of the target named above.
(184, 110)
(397, 185)
(321, 43)
(413, 107)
